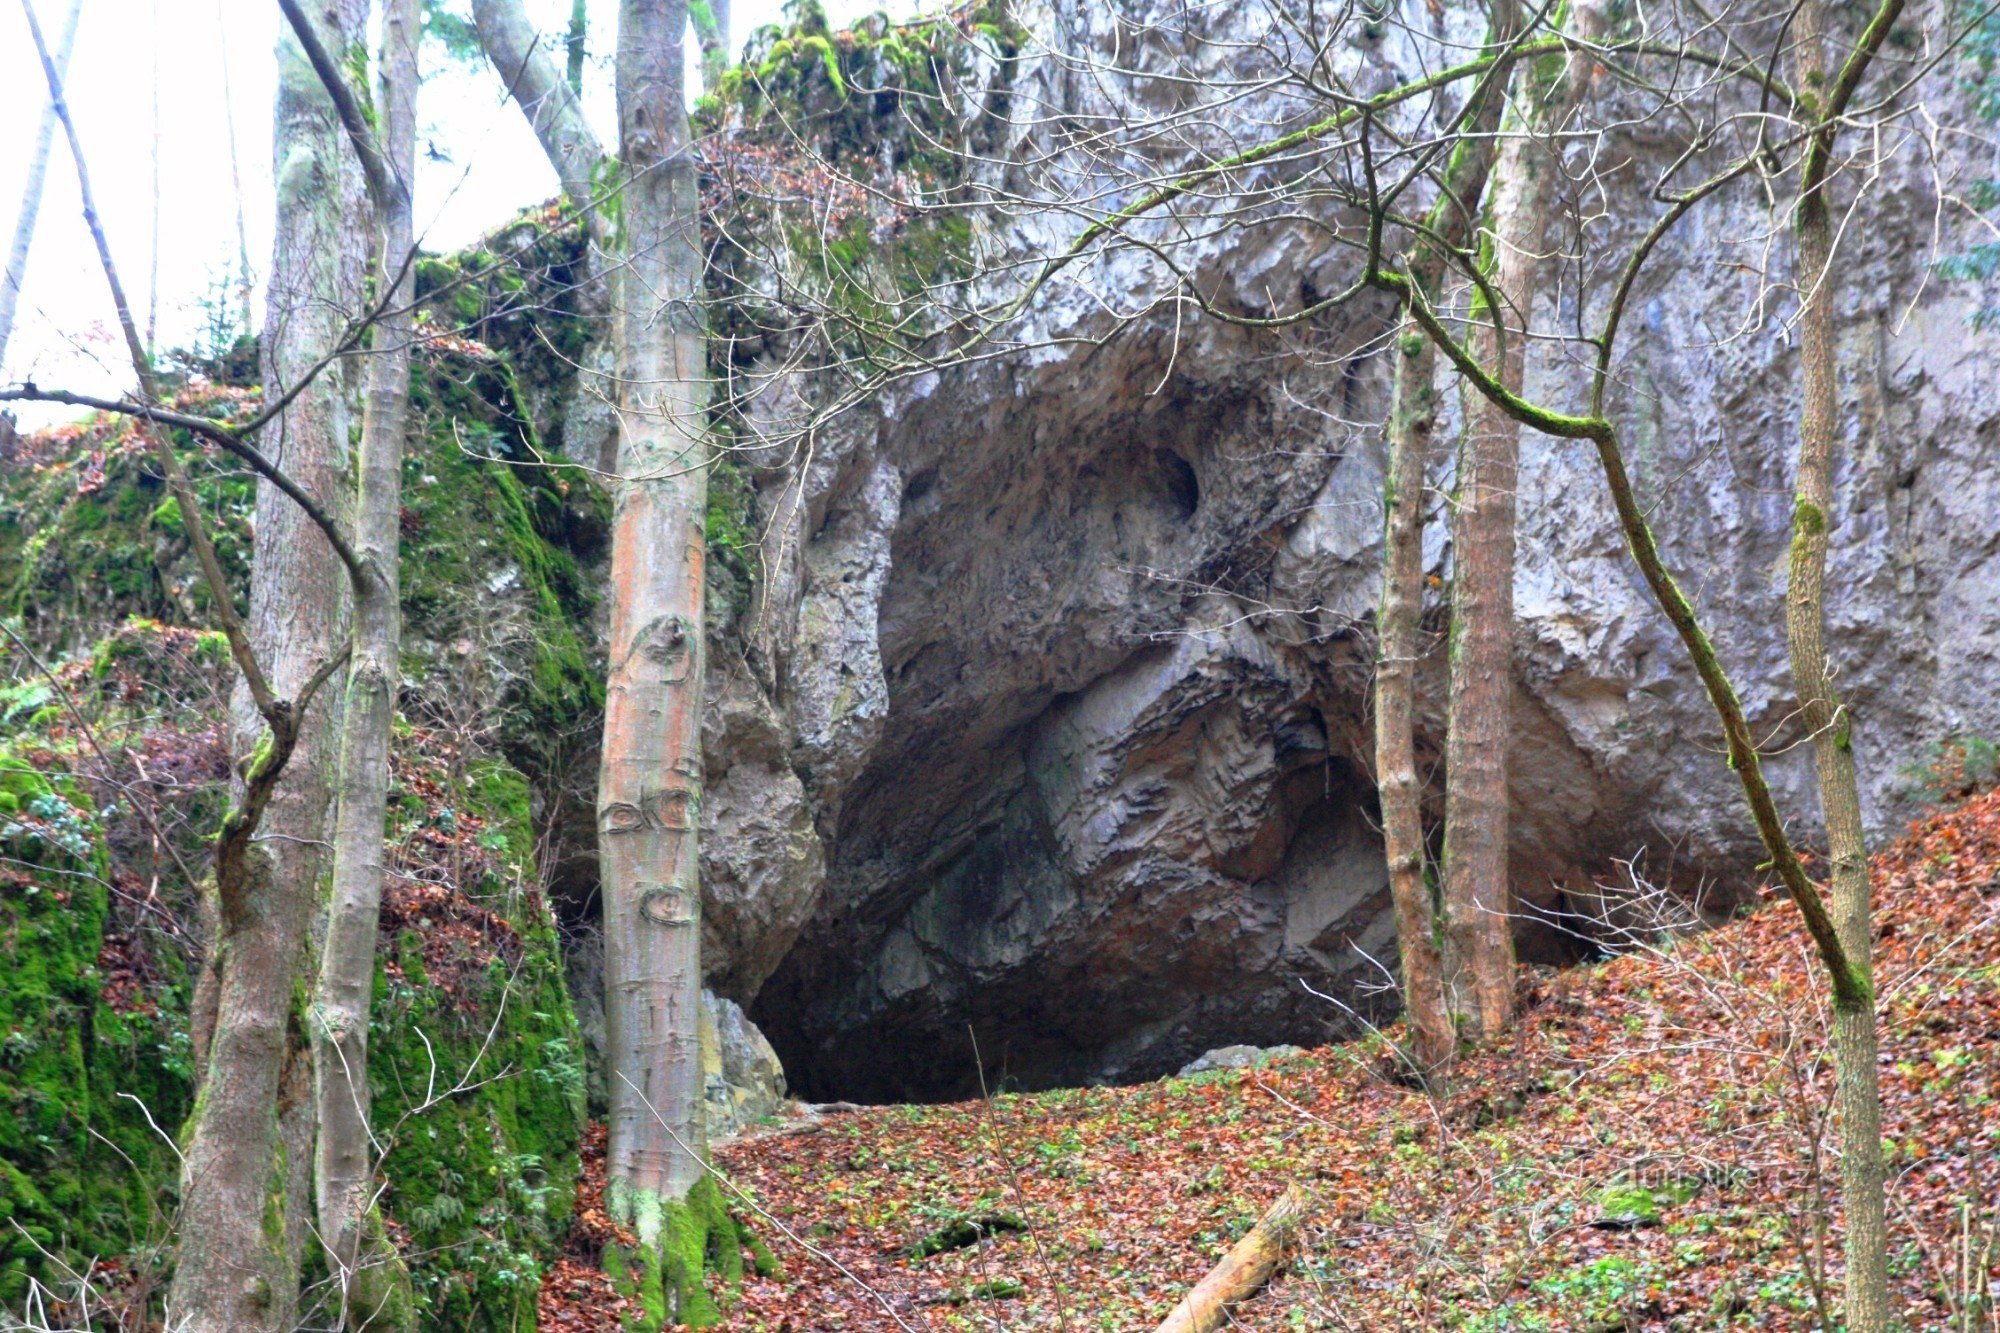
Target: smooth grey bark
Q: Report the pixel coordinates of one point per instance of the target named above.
(650, 782)
(31, 192)
(1478, 900)
(370, 1277)
(525, 62)
(246, 1179)
(649, 786)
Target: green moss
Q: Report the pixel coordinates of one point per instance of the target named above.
(1807, 518)
(699, 1246)
(82, 1173)
(484, 523)
(479, 1092)
(476, 1063)
(93, 538)
(1629, 1204)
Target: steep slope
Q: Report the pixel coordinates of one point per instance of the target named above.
(112, 780)
(1652, 1153)
(113, 776)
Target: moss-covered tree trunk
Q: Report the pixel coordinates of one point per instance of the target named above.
(1413, 416)
(245, 1184)
(370, 1279)
(1478, 900)
(711, 30)
(1857, 1086)
(650, 783)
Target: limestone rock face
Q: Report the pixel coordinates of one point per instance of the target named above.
(1045, 753)
(761, 858)
(742, 1081)
(1235, 1057)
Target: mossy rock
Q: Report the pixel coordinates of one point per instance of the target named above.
(478, 1084)
(91, 538)
(83, 1174)
(1628, 1205)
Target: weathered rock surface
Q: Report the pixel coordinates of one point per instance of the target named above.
(1047, 756)
(1235, 1057)
(742, 1081)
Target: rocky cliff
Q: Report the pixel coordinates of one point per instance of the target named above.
(1038, 742)
(1047, 758)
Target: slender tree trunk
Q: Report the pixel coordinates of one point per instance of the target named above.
(650, 784)
(1858, 1090)
(1478, 902)
(235, 172)
(553, 106)
(246, 1181)
(153, 253)
(574, 43)
(711, 31)
(31, 193)
(372, 1281)
(1412, 419)
(1412, 423)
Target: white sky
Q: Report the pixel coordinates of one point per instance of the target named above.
(65, 334)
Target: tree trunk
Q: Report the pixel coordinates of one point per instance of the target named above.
(711, 31)
(245, 1182)
(31, 193)
(1412, 419)
(1243, 1271)
(1412, 423)
(554, 109)
(1478, 902)
(372, 1281)
(650, 783)
(1857, 1090)
(574, 43)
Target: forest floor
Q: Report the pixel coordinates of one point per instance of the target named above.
(1652, 1151)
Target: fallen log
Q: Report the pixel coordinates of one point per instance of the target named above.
(1243, 1271)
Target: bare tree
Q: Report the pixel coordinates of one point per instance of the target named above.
(1847, 976)
(649, 786)
(247, 1185)
(650, 782)
(1412, 423)
(1478, 903)
(1831, 722)
(31, 192)
(372, 1282)
(244, 1183)
(553, 106)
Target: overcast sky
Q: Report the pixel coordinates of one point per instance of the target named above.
(214, 64)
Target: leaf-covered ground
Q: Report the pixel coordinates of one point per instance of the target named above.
(1652, 1152)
